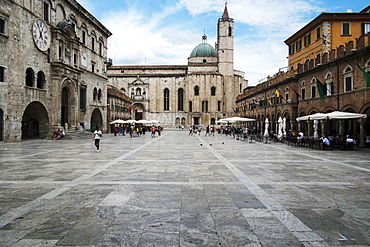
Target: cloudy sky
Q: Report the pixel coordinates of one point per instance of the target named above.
(166, 31)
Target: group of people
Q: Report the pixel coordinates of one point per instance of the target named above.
(196, 129)
(334, 140)
(58, 134)
(343, 142)
(136, 131)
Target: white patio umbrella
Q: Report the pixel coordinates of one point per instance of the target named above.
(238, 119)
(153, 121)
(221, 121)
(142, 121)
(332, 115)
(344, 115)
(266, 127)
(244, 119)
(315, 116)
(280, 133)
(130, 121)
(118, 121)
(284, 125)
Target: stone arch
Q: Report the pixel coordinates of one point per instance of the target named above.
(313, 111)
(35, 121)
(329, 109)
(60, 15)
(30, 75)
(289, 126)
(350, 108)
(96, 120)
(68, 99)
(139, 110)
(41, 80)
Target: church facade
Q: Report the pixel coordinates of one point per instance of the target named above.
(198, 93)
(52, 68)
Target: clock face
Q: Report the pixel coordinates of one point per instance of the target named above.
(40, 33)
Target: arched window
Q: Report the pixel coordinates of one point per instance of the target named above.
(83, 32)
(93, 39)
(190, 106)
(29, 77)
(101, 45)
(313, 88)
(348, 79)
(46, 10)
(166, 100)
(180, 99)
(40, 80)
(138, 91)
(60, 14)
(95, 93)
(196, 90)
(329, 83)
(213, 91)
(99, 95)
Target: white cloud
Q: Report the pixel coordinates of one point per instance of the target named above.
(196, 7)
(261, 27)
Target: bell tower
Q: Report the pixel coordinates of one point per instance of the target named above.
(225, 44)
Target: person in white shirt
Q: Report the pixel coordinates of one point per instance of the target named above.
(324, 141)
(97, 135)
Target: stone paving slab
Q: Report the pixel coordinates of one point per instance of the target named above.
(181, 190)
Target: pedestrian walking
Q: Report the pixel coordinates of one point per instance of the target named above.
(207, 131)
(97, 135)
(159, 129)
(152, 129)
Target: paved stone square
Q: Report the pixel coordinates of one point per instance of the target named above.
(181, 190)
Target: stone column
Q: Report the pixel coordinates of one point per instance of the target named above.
(293, 126)
(361, 121)
(322, 122)
(341, 130)
(309, 127)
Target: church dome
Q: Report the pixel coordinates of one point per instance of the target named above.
(204, 50)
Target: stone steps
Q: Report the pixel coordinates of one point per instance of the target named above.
(78, 135)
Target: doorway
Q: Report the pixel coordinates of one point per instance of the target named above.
(64, 110)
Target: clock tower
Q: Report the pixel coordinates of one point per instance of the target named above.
(225, 44)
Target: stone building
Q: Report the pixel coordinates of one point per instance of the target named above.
(52, 68)
(295, 93)
(198, 93)
(118, 105)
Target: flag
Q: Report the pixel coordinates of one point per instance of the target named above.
(366, 75)
(268, 100)
(278, 94)
(321, 89)
(298, 95)
(244, 108)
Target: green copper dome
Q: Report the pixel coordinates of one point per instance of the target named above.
(203, 50)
